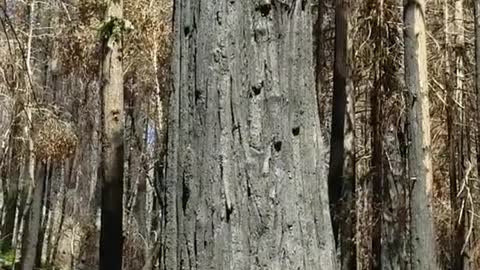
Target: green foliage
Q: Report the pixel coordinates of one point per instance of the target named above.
(7, 259)
(9, 256)
(114, 28)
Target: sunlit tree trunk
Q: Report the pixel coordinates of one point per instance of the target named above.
(423, 253)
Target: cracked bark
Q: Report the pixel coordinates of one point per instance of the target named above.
(246, 186)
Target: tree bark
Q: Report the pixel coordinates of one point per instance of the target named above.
(63, 206)
(45, 214)
(451, 136)
(35, 185)
(477, 76)
(458, 218)
(33, 221)
(111, 237)
(11, 189)
(341, 175)
(320, 54)
(423, 251)
(377, 164)
(246, 185)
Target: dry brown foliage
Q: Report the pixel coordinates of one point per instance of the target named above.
(53, 138)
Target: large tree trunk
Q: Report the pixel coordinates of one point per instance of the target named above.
(113, 141)
(419, 152)
(341, 175)
(246, 185)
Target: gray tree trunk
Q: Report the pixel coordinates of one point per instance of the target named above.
(419, 153)
(33, 212)
(246, 186)
(33, 221)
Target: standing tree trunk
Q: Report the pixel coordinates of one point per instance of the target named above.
(458, 218)
(33, 221)
(11, 192)
(341, 175)
(246, 186)
(377, 165)
(35, 186)
(113, 141)
(477, 75)
(320, 54)
(451, 138)
(419, 153)
(45, 213)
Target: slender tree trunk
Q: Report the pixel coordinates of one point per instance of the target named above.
(451, 137)
(476, 4)
(158, 148)
(49, 233)
(160, 115)
(33, 217)
(341, 175)
(63, 205)
(458, 218)
(111, 237)
(477, 75)
(419, 153)
(132, 153)
(140, 204)
(45, 214)
(395, 218)
(320, 55)
(11, 192)
(245, 185)
(23, 198)
(377, 140)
